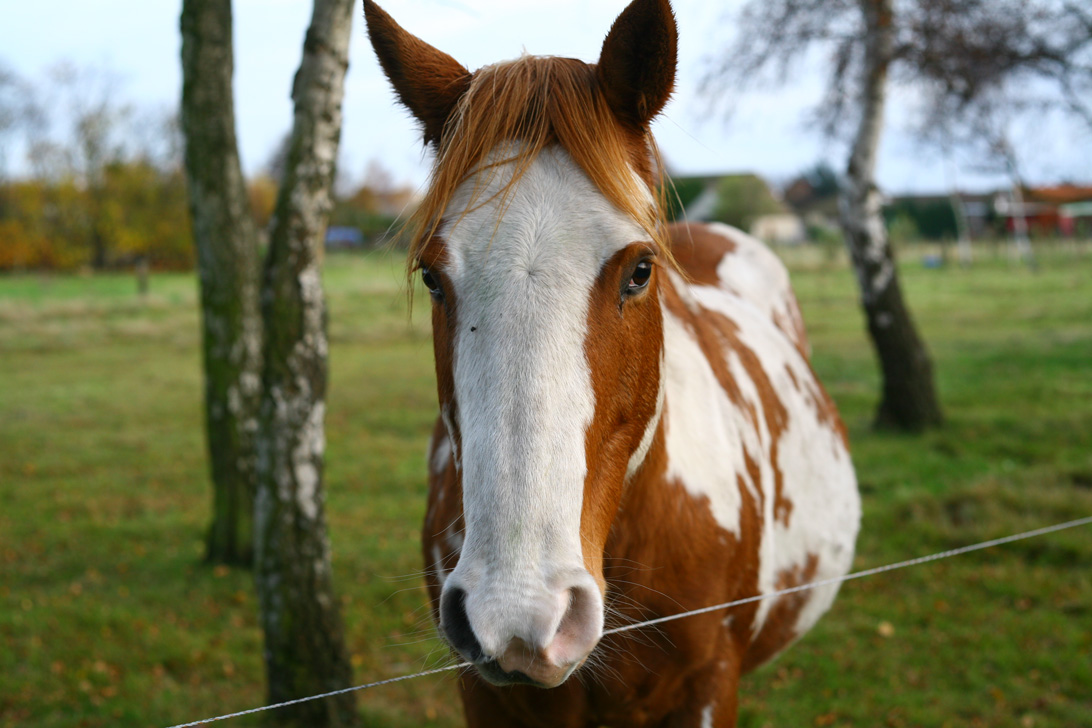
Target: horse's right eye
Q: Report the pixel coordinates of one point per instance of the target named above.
(430, 281)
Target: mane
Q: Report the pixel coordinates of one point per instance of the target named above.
(541, 101)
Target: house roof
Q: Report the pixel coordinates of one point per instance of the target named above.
(1059, 194)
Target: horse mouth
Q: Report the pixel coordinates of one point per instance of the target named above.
(494, 674)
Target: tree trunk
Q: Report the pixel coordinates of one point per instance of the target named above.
(227, 259)
(304, 642)
(1020, 239)
(141, 270)
(963, 245)
(98, 244)
(909, 400)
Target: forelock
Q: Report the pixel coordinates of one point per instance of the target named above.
(539, 101)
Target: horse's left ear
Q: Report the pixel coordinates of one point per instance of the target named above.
(637, 63)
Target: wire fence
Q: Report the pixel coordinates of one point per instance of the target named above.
(705, 610)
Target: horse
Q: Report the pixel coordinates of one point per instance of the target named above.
(629, 426)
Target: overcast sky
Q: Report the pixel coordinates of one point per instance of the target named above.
(138, 39)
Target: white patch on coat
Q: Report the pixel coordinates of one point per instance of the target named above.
(523, 276)
(702, 427)
(707, 716)
(445, 415)
(638, 457)
(438, 565)
(818, 476)
(454, 538)
(754, 273)
(441, 453)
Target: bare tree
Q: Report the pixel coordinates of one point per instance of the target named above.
(970, 55)
(12, 112)
(304, 645)
(957, 52)
(92, 135)
(227, 259)
(909, 400)
(16, 111)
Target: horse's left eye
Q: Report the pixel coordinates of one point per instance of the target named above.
(640, 277)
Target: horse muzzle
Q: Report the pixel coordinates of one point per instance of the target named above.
(524, 636)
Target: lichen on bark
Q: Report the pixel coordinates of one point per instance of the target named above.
(227, 259)
(305, 652)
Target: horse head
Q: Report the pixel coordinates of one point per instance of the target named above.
(541, 243)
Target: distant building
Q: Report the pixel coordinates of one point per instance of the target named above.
(344, 238)
(744, 200)
(1059, 210)
(1063, 210)
(747, 201)
(783, 228)
(1075, 218)
(813, 197)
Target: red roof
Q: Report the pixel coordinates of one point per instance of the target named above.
(1058, 195)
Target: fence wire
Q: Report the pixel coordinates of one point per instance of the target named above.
(705, 610)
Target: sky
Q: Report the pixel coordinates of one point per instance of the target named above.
(139, 41)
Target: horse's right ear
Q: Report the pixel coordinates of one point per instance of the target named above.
(428, 81)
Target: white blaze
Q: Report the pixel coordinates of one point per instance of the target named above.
(522, 277)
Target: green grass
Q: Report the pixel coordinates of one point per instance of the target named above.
(108, 617)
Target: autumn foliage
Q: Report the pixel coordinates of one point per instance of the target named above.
(89, 180)
(133, 211)
(136, 211)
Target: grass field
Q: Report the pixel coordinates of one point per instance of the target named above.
(109, 618)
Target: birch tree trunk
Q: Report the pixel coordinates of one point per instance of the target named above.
(227, 260)
(1021, 241)
(963, 244)
(908, 400)
(305, 651)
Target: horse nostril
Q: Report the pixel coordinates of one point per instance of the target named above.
(581, 626)
(456, 625)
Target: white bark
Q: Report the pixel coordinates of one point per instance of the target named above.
(909, 396)
(861, 202)
(305, 650)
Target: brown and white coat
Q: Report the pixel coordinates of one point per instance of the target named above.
(629, 427)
